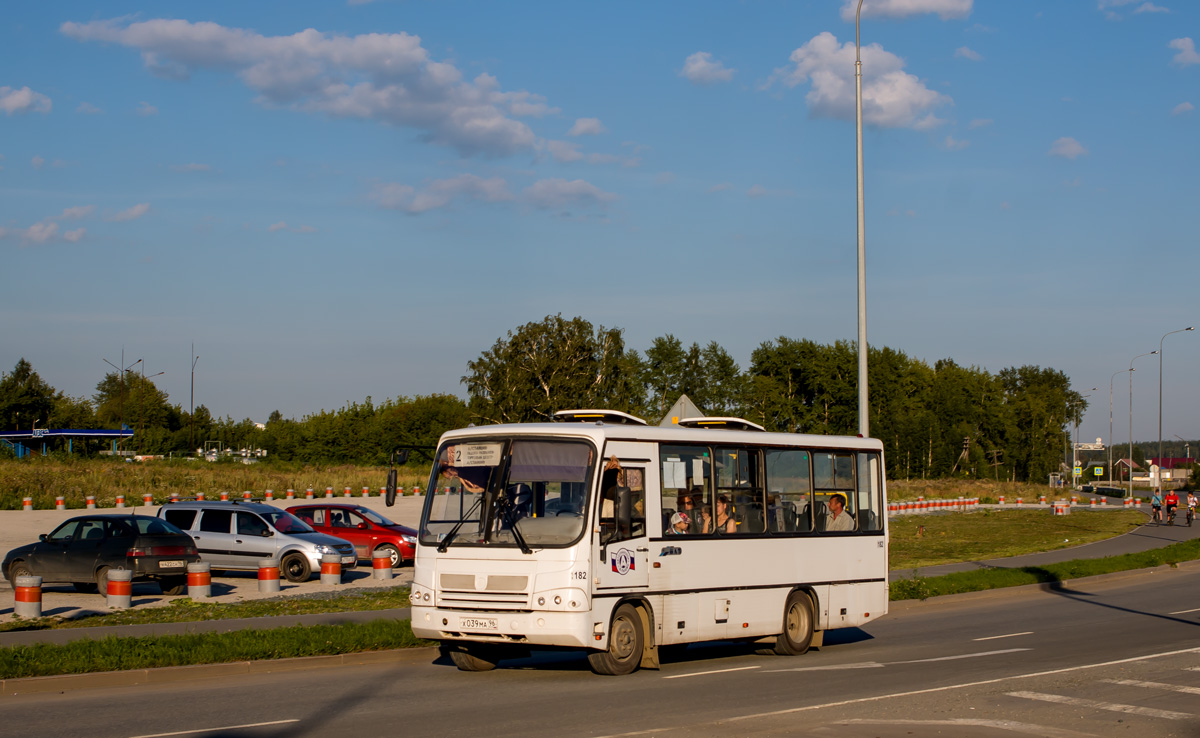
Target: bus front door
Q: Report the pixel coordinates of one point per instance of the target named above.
(621, 547)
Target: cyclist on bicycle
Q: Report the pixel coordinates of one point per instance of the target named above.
(1156, 505)
(1171, 500)
(1191, 504)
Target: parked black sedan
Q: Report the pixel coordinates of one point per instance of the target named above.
(83, 549)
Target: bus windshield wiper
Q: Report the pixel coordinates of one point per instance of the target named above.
(505, 507)
(445, 544)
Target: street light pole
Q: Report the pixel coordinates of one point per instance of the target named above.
(192, 403)
(121, 372)
(1160, 355)
(1075, 443)
(1152, 353)
(1110, 421)
(863, 428)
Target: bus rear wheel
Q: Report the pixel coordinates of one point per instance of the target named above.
(797, 632)
(472, 658)
(625, 643)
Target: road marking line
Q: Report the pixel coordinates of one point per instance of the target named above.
(1010, 635)
(832, 667)
(715, 671)
(1154, 685)
(214, 730)
(1110, 706)
(1184, 612)
(963, 656)
(1042, 731)
(931, 690)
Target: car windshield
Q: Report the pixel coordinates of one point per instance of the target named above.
(285, 522)
(509, 492)
(374, 517)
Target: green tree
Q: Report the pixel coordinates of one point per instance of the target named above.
(26, 399)
(551, 365)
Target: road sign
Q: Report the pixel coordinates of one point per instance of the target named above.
(1098, 471)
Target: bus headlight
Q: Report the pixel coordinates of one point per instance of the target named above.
(562, 600)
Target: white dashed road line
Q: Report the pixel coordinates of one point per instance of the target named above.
(715, 671)
(1154, 685)
(1009, 635)
(221, 729)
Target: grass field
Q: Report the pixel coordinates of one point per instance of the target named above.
(928, 540)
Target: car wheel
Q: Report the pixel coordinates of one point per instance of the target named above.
(394, 553)
(173, 585)
(295, 568)
(102, 581)
(625, 644)
(18, 569)
(797, 632)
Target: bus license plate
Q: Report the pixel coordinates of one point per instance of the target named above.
(477, 623)
(171, 564)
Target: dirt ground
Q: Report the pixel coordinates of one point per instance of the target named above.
(18, 528)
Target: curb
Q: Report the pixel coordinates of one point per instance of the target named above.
(175, 674)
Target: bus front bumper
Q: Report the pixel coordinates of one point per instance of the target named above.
(538, 628)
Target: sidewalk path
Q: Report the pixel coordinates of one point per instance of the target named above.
(1144, 538)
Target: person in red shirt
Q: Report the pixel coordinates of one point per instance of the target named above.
(1171, 501)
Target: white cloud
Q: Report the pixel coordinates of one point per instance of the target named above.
(552, 194)
(385, 77)
(146, 109)
(132, 213)
(757, 191)
(564, 151)
(192, 167)
(950, 143)
(1187, 52)
(719, 187)
(38, 162)
(23, 100)
(979, 123)
(1068, 148)
(663, 178)
(304, 229)
(88, 109)
(75, 235)
(440, 193)
(41, 232)
(892, 98)
(1151, 8)
(700, 69)
(962, 52)
(75, 213)
(280, 226)
(587, 127)
(945, 9)
(1183, 107)
(283, 226)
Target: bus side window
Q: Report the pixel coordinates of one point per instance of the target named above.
(833, 473)
(870, 493)
(738, 481)
(789, 490)
(686, 486)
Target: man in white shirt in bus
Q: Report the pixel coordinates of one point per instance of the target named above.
(839, 519)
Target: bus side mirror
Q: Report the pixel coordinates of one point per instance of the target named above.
(624, 511)
(390, 495)
(400, 457)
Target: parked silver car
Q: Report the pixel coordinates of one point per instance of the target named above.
(235, 535)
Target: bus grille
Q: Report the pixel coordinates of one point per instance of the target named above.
(484, 591)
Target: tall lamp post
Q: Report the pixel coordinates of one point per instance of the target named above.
(863, 428)
(1160, 355)
(1110, 421)
(121, 372)
(192, 404)
(1152, 353)
(1075, 443)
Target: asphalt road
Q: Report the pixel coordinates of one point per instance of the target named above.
(1119, 656)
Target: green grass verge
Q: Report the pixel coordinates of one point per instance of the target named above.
(928, 540)
(920, 588)
(183, 609)
(117, 654)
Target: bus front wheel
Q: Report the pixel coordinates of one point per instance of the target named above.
(625, 643)
(797, 632)
(472, 658)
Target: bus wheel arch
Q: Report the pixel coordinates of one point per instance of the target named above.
(799, 631)
(630, 641)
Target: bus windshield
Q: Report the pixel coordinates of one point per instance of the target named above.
(508, 492)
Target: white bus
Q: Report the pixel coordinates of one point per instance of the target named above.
(605, 534)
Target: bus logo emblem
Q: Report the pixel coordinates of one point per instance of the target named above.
(622, 561)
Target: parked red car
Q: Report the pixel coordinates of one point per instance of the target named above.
(366, 529)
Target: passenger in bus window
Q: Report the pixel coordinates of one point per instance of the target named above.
(679, 524)
(839, 519)
(724, 522)
(687, 505)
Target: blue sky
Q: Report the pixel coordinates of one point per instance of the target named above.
(336, 200)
